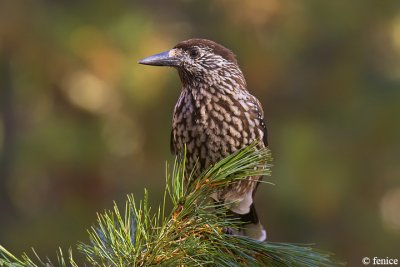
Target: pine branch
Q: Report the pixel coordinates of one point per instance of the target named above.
(191, 234)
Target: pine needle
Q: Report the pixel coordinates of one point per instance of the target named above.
(191, 234)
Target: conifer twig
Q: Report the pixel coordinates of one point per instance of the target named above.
(191, 234)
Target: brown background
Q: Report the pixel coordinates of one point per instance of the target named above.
(82, 124)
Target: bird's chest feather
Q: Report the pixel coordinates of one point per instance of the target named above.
(192, 124)
(211, 125)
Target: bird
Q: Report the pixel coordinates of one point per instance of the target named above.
(215, 115)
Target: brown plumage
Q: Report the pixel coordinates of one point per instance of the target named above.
(214, 116)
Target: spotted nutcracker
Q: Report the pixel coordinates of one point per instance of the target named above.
(215, 115)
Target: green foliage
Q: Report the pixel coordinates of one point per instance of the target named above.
(191, 234)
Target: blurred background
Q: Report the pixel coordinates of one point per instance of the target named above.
(82, 124)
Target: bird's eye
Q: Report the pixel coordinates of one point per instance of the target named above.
(193, 53)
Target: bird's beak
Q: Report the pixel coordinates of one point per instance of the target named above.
(167, 58)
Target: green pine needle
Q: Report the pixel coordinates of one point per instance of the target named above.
(191, 234)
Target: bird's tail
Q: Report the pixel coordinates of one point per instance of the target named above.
(251, 225)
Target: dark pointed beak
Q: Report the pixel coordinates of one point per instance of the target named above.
(162, 59)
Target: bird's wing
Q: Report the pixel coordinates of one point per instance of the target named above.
(258, 114)
(172, 143)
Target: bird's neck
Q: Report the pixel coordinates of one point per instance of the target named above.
(222, 81)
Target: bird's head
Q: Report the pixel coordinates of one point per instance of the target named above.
(200, 61)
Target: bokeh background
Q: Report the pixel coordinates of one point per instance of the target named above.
(82, 124)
